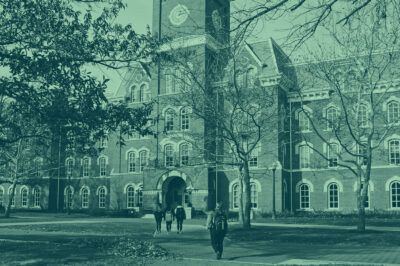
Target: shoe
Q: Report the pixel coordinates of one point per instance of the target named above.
(218, 255)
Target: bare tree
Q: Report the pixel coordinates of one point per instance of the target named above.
(359, 84)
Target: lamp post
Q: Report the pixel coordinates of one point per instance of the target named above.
(274, 165)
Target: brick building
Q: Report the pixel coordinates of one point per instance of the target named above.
(175, 166)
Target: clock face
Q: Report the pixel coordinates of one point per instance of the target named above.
(216, 19)
(179, 14)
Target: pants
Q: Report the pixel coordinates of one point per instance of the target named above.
(158, 225)
(168, 224)
(217, 241)
(179, 223)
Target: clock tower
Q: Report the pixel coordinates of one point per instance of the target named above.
(190, 18)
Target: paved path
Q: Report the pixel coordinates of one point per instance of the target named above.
(195, 249)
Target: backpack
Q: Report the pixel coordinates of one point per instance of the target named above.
(168, 216)
(220, 223)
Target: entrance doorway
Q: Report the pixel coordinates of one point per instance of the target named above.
(174, 192)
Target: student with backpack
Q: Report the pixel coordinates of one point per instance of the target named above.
(180, 215)
(169, 217)
(217, 223)
(158, 215)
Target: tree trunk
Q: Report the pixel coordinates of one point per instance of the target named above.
(247, 200)
(11, 197)
(362, 198)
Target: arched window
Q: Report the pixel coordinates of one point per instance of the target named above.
(131, 162)
(36, 197)
(85, 198)
(102, 166)
(254, 195)
(1, 196)
(184, 154)
(363, 115)
(169, 155)
(9, 196)
(304, 196)
(304, 122)
(184, 119)
(394, 151)
(24, 197)
(169, 120)
(331, 118)
(130, 197)
(133, 93)
(304, 153)
(393, 112)
(143, 159)
(235, 196)
(85, 166)
(333, 196)
(253, 162)
(70, 164)
(395, 194)
(139, 193)
(102, 197)
(333, 150)
(68, 198)
(250, 77)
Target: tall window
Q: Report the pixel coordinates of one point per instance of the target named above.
(395, 194)
(253, 162)
(304, 122)
(169, 120)
(102, 197)
(36, 197)
(140, 196)
(1, 196)
(169, 80)
(304, 196)
(133, 94)
(363, 115)
(69, 167)
(250, 77)
(393, 112)
(85, 198)
(254, 195)
(304, 152)
(130, 197)
(131, 162)
(85, 165)
(184, 119)
(143, 158)
(333, 196)
(9, 196)
(169, 155)
(184, 154)
(235, 196)
(24, 197)
(331, 117)
(68, 198)
(102, 166)
(333, 150)
(37, 167)
(394, 152)
(103, 142)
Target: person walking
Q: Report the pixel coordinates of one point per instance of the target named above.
(217, 223)
(180, 215)
(169, 217)
(158, 216)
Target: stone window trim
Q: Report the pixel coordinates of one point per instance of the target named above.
(24, 194)
(304, 181)
(310, 149)
(101, 187)
(298, 114)
(367, 106)
(335, 199)
(235, 182)
(69, 187)
(331, 181)
(23, 187)
(325, 110)
(139, 92)
(84, 187)
(390, 181)
(70, 159)
(100, 157)
(388, 100)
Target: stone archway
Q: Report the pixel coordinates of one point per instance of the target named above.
(173, 190)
